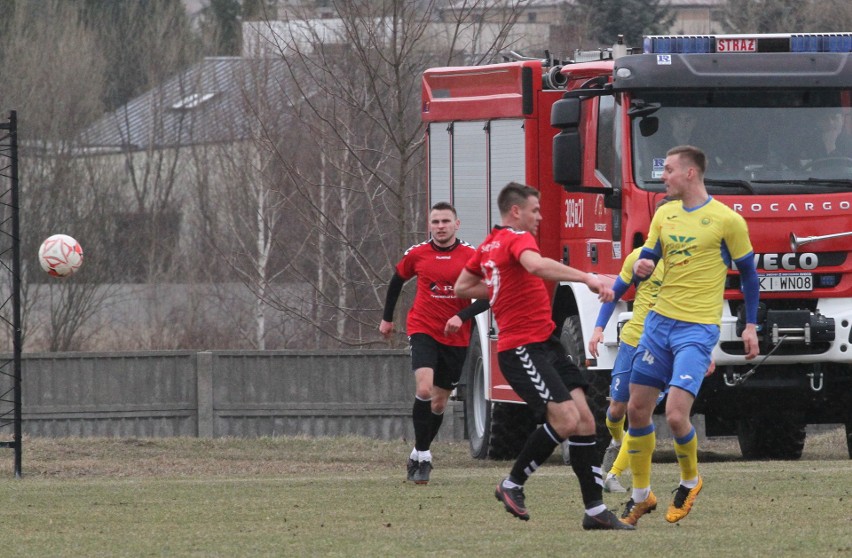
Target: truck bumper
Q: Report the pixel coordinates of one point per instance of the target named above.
(839, 350)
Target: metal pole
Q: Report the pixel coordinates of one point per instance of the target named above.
(16, 288)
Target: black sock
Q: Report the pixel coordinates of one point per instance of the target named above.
(539, 447)
(421, 415)
(584, 456)
(437, 419)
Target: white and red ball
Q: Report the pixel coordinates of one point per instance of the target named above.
(60, 255)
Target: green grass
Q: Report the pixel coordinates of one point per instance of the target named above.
(347, 497)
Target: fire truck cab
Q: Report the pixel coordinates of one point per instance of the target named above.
(773, 113)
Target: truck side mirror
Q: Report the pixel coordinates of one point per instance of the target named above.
(567, 153)
(648, 126)
(565, 113)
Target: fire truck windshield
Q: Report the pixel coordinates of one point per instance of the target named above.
(756, 141)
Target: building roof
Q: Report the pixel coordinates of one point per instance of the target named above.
(214, 101)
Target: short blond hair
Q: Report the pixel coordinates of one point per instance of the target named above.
(692, 154)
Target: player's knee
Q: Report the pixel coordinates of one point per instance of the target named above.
(633, 408)
(439, 404)
(423, 391)
(617, 410)
(564, 418)
(586, 424)
(677, 418)
(639, 414)
(440, 396)
(564, 428)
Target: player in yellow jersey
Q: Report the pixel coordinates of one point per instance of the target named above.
(696, 237)
(646, 295)
(616, 460)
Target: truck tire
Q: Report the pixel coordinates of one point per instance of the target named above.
(477, 409)
(752, 444)
(494, 430)
(511, 425)
(849, 438)
(598, 392)
(775, 437)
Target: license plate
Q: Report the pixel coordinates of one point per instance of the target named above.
(781, 282)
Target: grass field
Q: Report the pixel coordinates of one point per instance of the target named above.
(347, 497)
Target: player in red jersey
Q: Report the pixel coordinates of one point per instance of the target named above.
(510, 271)
(438, 328)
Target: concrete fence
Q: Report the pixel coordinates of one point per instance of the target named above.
(223, 393)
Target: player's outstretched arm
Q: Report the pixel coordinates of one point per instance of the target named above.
(551, 270)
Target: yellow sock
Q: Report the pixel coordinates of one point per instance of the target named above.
(640, 448)
(686, 450)
(616, 428)
(622, 461)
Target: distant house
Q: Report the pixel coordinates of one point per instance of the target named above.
(261, 38)
(189, 108)
(697, 17)
(543, 23)
(195, 135)
(192, 163)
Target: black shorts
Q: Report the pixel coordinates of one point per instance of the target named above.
(540, 373)
(445, 361)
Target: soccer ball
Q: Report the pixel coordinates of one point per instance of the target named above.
(60, 255)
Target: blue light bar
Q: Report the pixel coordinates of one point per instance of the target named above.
(776, 42)
(821, 42)
(680, 44)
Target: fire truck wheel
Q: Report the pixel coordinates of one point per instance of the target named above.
(477, 409)
(572, 340)
(511, 425)
(494, 430)
(773, 437)
(849, 438)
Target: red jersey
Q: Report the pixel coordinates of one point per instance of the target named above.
(435, 301)
(519, 300)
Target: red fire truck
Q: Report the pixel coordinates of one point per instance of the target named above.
(772, 112)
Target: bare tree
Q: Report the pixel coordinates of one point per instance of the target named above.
(309, 227)
(356, 186)
(766, 16)
(139, 38)
(238, 195)
(54, 79)
(830, 16)
(125, 209)
(787, 16)
(151, 165)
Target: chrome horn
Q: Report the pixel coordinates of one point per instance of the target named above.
(795, 241)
